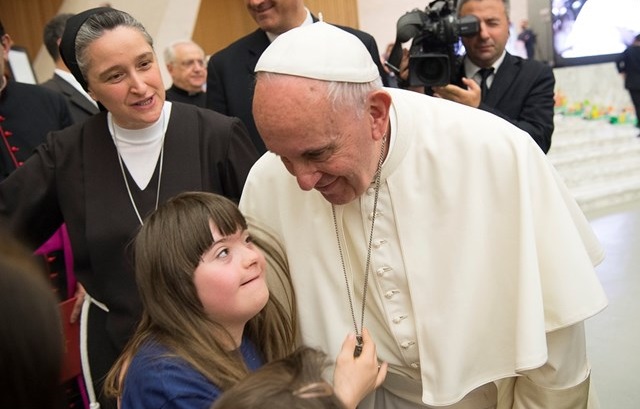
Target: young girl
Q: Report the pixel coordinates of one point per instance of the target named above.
(209, 319)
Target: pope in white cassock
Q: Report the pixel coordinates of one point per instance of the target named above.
(442, 229)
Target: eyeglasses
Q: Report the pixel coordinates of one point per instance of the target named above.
(192, 63)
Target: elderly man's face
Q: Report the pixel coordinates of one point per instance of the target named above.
(188, 71)
(276, 16)
(332, 151)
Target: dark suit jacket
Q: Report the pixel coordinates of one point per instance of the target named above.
(28, 112)
(522, 93)
(629, 64)
(230, 79)
(79, 106)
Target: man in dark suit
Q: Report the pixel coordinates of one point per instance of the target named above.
(518, 90)
(80, 103)
(27, 113)
(628, 65)
(528, 38)
(230, 71)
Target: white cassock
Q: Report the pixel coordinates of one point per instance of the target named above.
(482, 264)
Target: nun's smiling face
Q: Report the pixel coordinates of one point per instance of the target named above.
(124, 76)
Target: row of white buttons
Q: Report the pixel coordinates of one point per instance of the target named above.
(383, 271)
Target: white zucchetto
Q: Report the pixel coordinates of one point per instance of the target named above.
(319, 51)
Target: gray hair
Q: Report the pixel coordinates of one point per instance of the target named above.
(95, 26)
(350, 94)
(506, 3)
(340, 94)
(170, 50)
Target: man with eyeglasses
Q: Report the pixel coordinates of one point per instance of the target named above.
(186, 65)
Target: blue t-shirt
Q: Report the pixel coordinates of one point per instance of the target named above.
(156, 381)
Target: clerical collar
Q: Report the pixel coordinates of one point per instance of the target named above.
(183, 91)
(307, 20)
(470, 69)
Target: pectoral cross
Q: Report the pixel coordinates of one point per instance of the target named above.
(358, 350)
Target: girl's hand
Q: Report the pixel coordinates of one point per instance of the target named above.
(355, 378)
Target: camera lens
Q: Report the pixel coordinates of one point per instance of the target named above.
(429, 70)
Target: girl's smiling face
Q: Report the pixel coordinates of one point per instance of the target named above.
(230, 281)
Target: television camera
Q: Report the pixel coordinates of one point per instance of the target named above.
(433, 56)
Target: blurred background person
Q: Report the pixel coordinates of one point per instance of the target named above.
(186, 64)
(629, 66)
(80, 103)
(31, 340)
(27, 113)
(528, 38)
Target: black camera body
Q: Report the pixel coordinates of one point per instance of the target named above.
(436, 32)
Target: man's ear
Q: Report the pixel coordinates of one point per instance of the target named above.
(7, 42)
(379, 104)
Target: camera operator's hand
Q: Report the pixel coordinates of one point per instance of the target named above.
(404, 74)
(471, 96)
(404, 65)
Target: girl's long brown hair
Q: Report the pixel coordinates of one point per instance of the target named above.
(167, 251)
